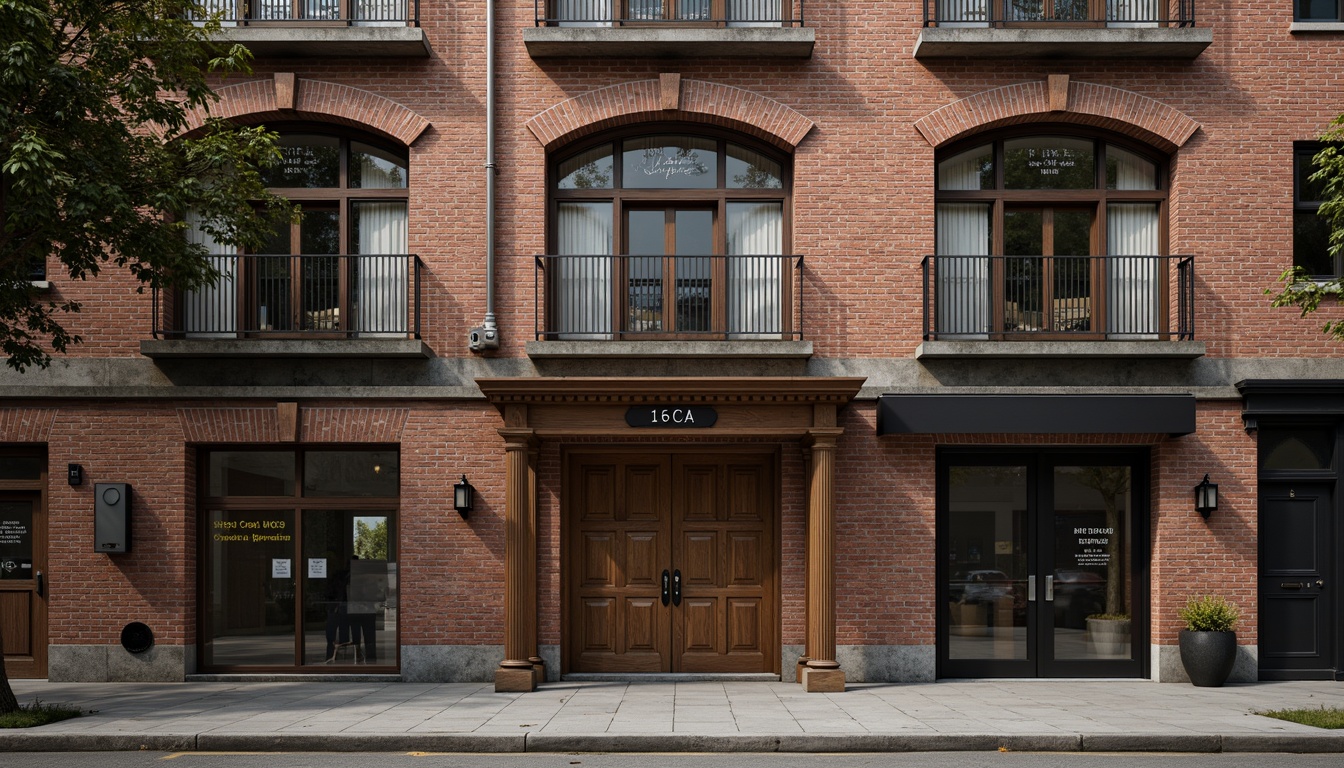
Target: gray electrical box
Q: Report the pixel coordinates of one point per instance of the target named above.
(112, 518)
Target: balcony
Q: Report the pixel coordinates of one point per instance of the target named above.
(1061, 29)
(1099, 306)
(669, 29)
(295, 306)
(313, 28)
(620, 306)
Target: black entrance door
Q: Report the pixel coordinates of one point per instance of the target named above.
(1297, 619)
(1042, 562)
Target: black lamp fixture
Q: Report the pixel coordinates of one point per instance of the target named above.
(1206, 497)
(463, 497)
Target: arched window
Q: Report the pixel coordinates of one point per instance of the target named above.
(672, 234)
(341, 270)
(1051, 233)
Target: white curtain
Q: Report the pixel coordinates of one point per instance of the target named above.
(1133, 301)
(582, 276)
(228, 11)
(755, 286)
(382, 270)
(1133, 13)
(963, 13)
(212, 311)
(961, 274)
(584, 13)
(380, 13)
(754, 13)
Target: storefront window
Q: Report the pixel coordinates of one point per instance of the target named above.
(299, 575)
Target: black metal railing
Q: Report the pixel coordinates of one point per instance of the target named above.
(1059, 13)
(287, 296)
(1080, 297)
(712, 13)
(239, 13)
(695, 297)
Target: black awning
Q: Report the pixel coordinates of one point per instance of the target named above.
(1035, 414)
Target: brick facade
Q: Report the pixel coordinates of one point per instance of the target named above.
(861, 122)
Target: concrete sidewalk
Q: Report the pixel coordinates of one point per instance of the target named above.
(1056, 716)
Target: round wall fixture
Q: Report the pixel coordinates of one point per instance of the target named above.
(136, 637)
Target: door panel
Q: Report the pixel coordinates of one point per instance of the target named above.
(23, 602)
(709, 519)
(1296, 611)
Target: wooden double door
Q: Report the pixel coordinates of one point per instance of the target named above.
(671, 562)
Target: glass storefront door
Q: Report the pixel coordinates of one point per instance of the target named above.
(299, 566)
(1042, 568)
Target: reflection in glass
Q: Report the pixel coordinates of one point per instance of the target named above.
(752, 170)
(350, 473)
(251, 473)
(375, 168)
(21, 467)
(349, 587)
(1297, 448)
(306, 162)
(250, 574)
(972, 169)
(670, 162)
(1091, 580)
(694, 242)
(988, 559)
(590, 169)
(1049, 162)
(16, 541)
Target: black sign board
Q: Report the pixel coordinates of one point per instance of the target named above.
(681, 416)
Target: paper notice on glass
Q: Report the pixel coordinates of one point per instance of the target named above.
(317, 567)
(280, 568)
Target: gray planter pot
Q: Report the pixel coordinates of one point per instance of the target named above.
(1208, 656)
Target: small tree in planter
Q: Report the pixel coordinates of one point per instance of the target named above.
(1209, 640)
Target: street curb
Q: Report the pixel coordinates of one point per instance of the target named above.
(702, 743)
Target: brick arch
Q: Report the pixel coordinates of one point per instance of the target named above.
(287, 99)
(696, 101)
(1100, 106)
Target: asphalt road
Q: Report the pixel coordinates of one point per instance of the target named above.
(770, 760)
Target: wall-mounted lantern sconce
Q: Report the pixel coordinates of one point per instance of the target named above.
(463, 497)
(1206, 497)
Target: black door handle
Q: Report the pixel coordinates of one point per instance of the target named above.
(667, 580)
(41, 585)
(676, 587)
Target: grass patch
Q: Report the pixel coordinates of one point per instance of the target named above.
(1323, 717)
(36, 714)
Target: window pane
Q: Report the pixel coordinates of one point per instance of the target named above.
(21, 467)
(306, 162)
(1311, 244)
(320, 232)
(16, 539)
(670, 162)
(250, 571)
(1318, 10)
(1306, 190)
(752, 170)
(374, 168)
(1303, 448)
(350, 473)
(972, 169)
(587, 170)
(1049, 162)
(251, 473)
(349, 587)
(1126, 170)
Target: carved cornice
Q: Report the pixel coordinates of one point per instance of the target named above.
(705, 390)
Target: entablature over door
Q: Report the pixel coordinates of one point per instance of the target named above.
(776, 407)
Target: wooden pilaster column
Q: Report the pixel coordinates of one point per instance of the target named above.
(520, 545)
(822, 672)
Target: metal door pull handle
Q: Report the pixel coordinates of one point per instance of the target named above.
(1031, 589)
(667, 583)
(1049, 588)
(1292, 585)
(676, 587)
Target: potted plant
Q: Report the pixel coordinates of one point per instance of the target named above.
(1209, 640)
(1109, 633)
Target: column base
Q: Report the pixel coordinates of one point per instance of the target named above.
(823, 680)
(515, 680)
(798, 671)
(538, 671)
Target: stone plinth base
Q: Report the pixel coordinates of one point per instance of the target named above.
(515, 680)
(823, 680)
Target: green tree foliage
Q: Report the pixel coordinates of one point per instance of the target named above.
(93, 97)
(1298, 289)
(371, 540)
